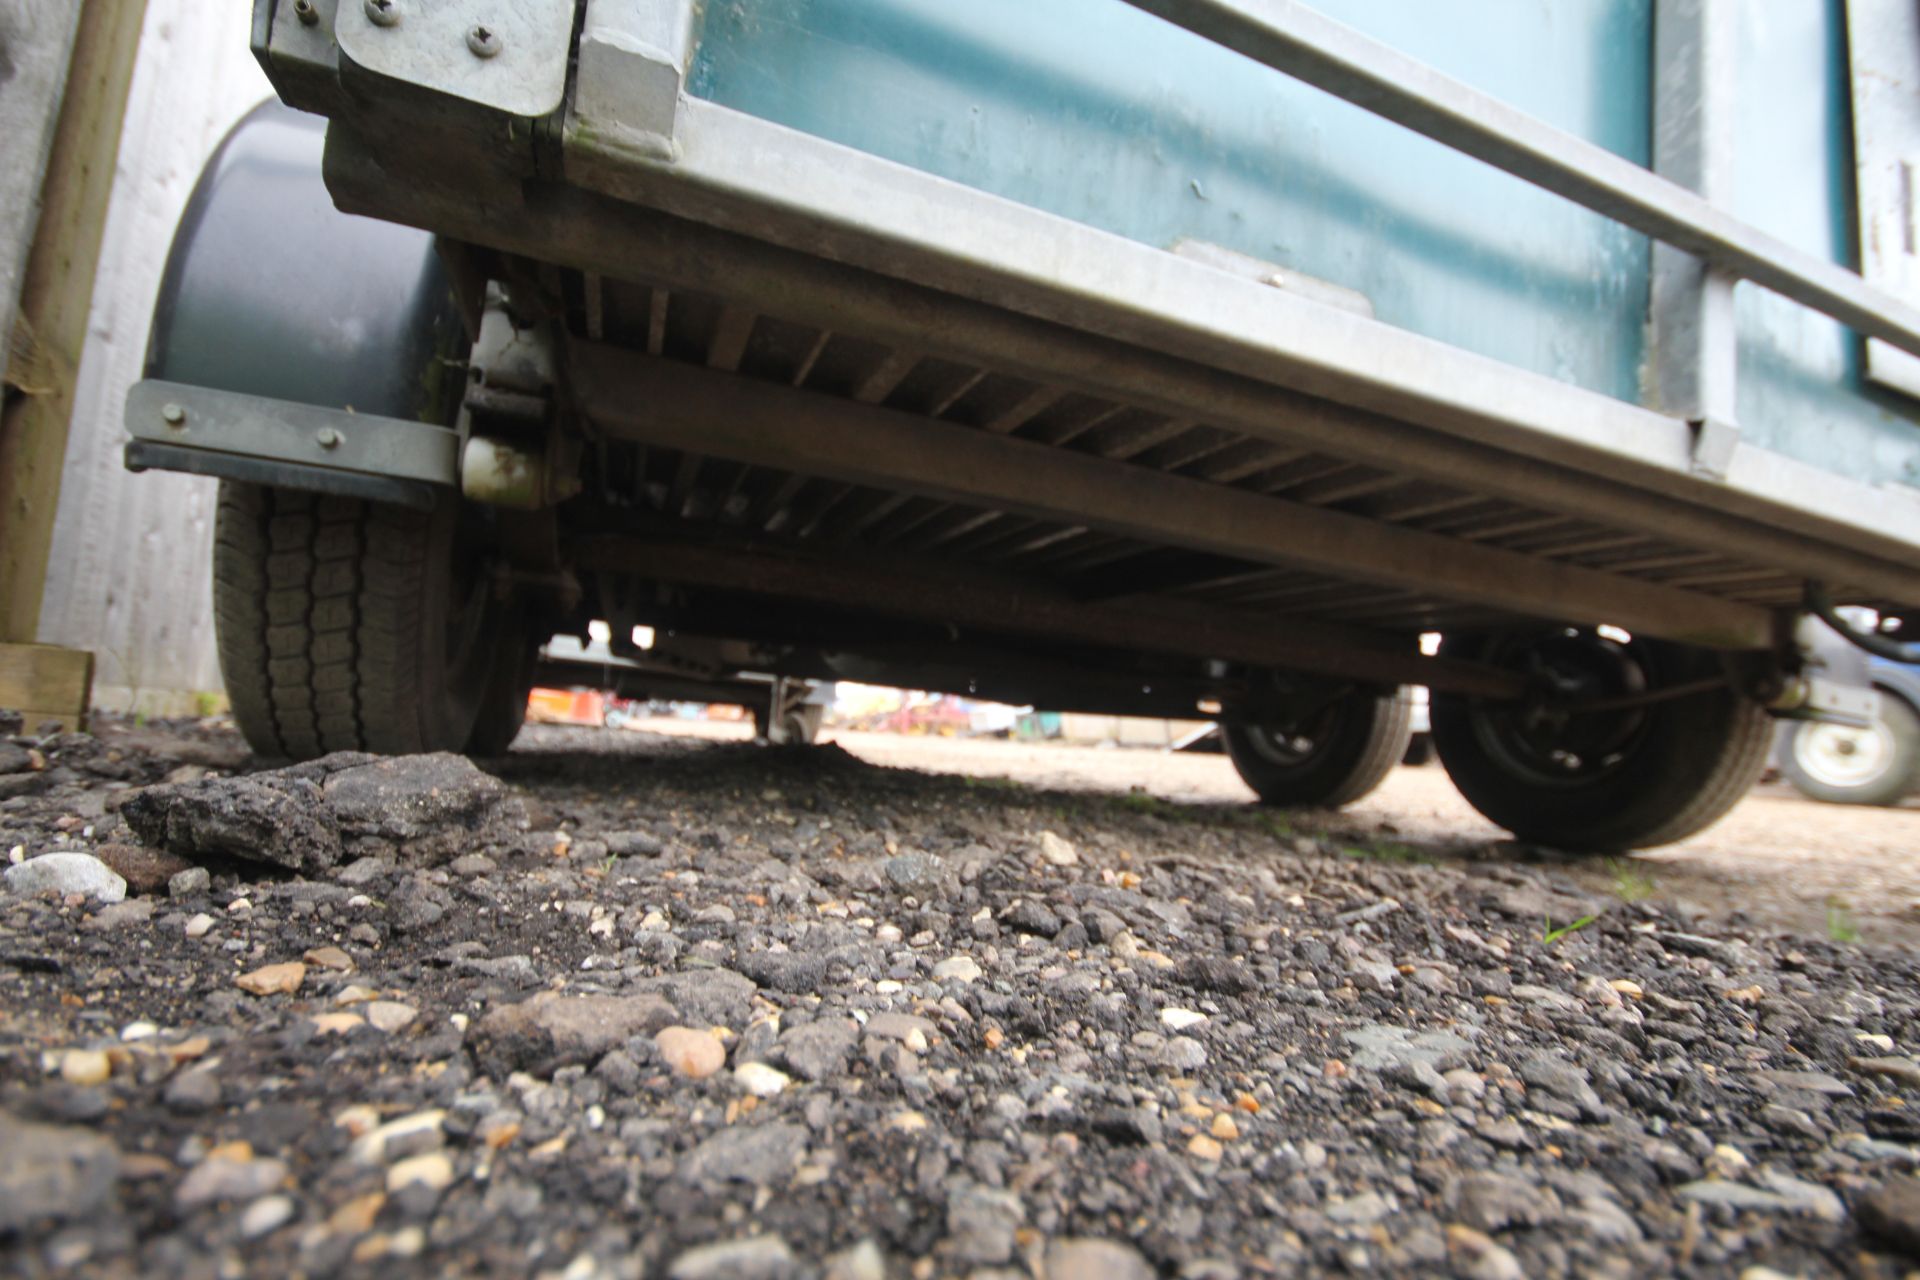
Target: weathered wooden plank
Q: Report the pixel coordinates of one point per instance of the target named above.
(45, 682)
(55, 295)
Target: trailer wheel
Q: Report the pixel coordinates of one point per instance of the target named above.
(347, 625)
(802, 725)
(1604, 780)
(1843, 765)
(1331, 759)
(503, 704)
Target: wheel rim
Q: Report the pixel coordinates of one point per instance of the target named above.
(1555, 748)
(1842, 757)
(1293, 746)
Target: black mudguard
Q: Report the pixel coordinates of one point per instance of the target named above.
(271, 291)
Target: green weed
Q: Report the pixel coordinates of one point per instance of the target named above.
(1388, 851)
(1550, 935)
(1630, 884)
(1840, 925)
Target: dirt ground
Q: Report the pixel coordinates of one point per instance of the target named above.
(1778, 861)
(631, 1005)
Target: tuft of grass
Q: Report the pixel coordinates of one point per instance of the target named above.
(1274, 825)
(1388, 851)
(1630, 884)
(1145, 802)
(1550, 935)
(1840, 925)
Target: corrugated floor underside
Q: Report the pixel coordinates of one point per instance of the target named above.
(1095, 565)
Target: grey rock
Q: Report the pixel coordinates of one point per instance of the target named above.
(1493, 1202)
(917, 872)
(981, 1223)
(1809, 1198)
(265, 1216)
(1084, 1259)
(423, 808)
(193, 1091)
(1028, 916)
(754, 1258)
(1890, 1213)
(1373, 975)
(119, 915)
(554, 1030)
(755, 1154)
(787, 971)
(220, 1179)
(67, 873)
(1554, 1075)
(1808, 1082)
(1379, 1045)
(186, 883)
(52, 1172)
(365, 871)
(1903, 1071)
(1362, 1210)
(632, 844)
(715, 997)
(473, 864)
(1788, 1195)
(818, 1050)
(1182, 1053)
(863, 1261)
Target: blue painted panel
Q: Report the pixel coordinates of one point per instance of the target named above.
(1802, 390)
(1096, 111)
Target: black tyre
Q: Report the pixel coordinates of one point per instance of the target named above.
(1603, 780)
(503, 705)
(346, 625)
(1843, 765)
(1331, 759)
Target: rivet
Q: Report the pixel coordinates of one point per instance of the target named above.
(304, 10)
(383, 13)
(173, 415)
(483, 41)
(328, 438)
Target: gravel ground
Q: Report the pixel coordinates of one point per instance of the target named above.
(635, 1005)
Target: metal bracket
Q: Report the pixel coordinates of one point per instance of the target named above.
(631, 70)
(510, 55)
(1714, 442)
(220, 430)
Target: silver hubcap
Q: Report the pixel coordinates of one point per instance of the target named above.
(1838, 756)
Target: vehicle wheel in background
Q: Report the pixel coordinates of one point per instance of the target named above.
(1843, 765)
(1332, 758)
(346, 625)
(802, 724)
(1605, 780)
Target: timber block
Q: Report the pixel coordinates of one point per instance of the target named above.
(46, 682)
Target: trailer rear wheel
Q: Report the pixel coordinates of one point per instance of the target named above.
(346, 625)
(1603, 780)
(1331, 758)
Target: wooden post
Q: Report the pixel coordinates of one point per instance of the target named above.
(56, 294)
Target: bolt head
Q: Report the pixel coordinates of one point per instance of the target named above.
(173, 415)
(483, 40)
(327, 438)
(383, 13)
(304, 10)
